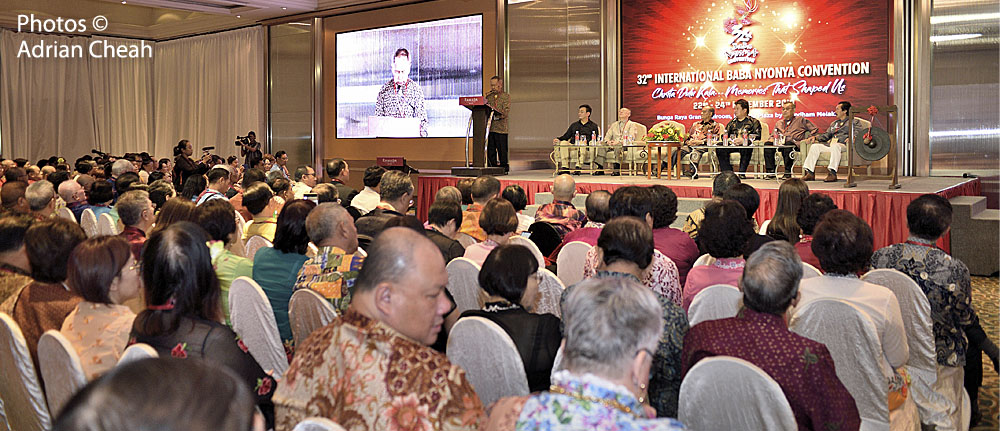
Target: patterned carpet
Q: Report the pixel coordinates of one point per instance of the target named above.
(985, 297)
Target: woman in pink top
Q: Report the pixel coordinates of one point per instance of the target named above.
(499, 220)
(723, 234)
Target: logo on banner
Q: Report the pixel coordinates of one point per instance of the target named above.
(741, 50)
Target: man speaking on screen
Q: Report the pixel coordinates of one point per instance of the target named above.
(401, 97)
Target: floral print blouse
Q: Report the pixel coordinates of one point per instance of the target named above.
(99, 334)
(661, 277)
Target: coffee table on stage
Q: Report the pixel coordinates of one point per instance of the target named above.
(670, 146)
(757, 154)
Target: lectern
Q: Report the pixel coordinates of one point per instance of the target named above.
(479, 127)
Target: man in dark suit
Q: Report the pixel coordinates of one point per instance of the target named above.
(339, 174)
(445, 218)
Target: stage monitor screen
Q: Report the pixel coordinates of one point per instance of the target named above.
(404, 81)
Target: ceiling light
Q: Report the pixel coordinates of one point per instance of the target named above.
(237, 16)
(284, 8)
(123, 1)
(948, 37)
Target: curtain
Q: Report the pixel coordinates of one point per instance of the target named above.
(123, 101)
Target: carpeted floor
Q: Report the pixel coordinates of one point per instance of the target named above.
(985, 297)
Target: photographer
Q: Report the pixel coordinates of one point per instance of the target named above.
(185, 166)
(249, 149)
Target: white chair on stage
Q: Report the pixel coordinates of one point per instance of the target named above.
(704, 260)
(307, 312)
(852, 341)
(489, 358)
(466, 240)
(106, 225)
(61, 371)
(317, 424)
(520, 240)
(463, 283)
(941, 403)
(719, 301)
(570, 261)
(809, 271)
(21, 392)
(550, 291)
(137, 352)
(253, 320)
(255, 243)
(66, 213)
(88, 221)
(727, 393)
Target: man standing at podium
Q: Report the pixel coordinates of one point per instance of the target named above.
(566, 156)
(496, 143)
(401, 97)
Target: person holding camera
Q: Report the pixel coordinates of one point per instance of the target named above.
(249, 149)
(185, 166)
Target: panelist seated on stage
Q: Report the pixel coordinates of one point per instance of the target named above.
(794, 129)
(742, 124)
(620, 133)
(702, 132)
(576, 157)
(834, 141)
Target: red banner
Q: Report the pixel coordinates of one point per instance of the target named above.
(679, 55)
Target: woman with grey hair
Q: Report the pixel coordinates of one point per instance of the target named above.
(612, 327)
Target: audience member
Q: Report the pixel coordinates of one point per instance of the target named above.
(409, 221)
(263, 207)
(516, 196)
(673, 243)
(723, 235)
(720, 184)
(15, 269)
(783, 225)
(499, 221)
(75, 197)
(369, 197)
(87, 181)
(159, 192)
(183, 312)
(561, 213)
(748, 197)
(326, 193)
(305, 180)
(218, 219)
(510, 278)
(340, 173)
(759, 334)
(57, 178)
(147, 166)
(813, 208)
(218, 184)
(612, 328)
(137, 214)
(483, 189)
(175, 210)
(267, 162)
(282, 188)
(15, 174)
(280, 163)
(41, 197)
(104, 273)
(125, 181)
(396, 194)
(377, 350)
(443, 220)
(598, 213)
(12, 197)
(334, 269)
(464, 186)
(34, 173)
(194, 185)
(276, 268)
(449, 194)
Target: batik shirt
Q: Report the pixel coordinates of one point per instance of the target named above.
(945, 280)
(332, 274)
(562, 215)
(404, 100)
(364, 375)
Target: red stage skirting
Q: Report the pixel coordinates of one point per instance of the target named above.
(885, 211)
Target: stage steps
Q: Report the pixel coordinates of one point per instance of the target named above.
(684, 206)
(974, 234)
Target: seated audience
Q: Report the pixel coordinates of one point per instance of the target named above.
(449, 194)
(612, 326)
(159, 192)
(674, 243)
(282, 188)
(100, 197)
(625, 250)
(276, 268)
(334, 269)
(176, 209)
(12, 197)
(720, 184)
(516, 196)
(326, 193)
(305, 180)
(843, 243)
(443, 220)
(44, 303)
(263, 206)
(15, 174)
(219, 182)
(561, 213)
(183, 312)
(152, 391)
(748, 197)
(464, 187)
(396, 196)
(813, 208)
(136, 213)
(75, 197)
(759, 334)
(15, 269)
(104, 273)
(368, 198)
(193, 187)
(958, 335)
(41, 197)
(499, 221)
(598, 213)
(784, 224)
(340, 173)
(217, 217)
(510, 278)
(125, 181)
(57, 178)
(482, 190)
(724, 233)
(377, 350)
(250, 176)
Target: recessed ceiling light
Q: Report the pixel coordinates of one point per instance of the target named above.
(237, 16)
(123, 1)
(284, 8)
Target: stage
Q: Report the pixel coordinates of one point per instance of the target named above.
(883, 209)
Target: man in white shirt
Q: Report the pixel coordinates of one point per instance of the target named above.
(368, 199)
(305, 180)
(621, 132)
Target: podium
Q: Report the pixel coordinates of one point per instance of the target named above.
(477, 130)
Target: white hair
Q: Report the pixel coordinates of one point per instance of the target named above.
(121, 166)
(39, 194)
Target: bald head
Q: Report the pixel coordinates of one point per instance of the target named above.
(391, 256)
(564, 187)
(598, 206)
(330, 225)
(71, 191)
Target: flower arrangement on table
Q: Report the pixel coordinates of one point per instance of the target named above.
(666, 133)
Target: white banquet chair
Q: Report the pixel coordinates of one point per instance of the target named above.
(704, 260)
(570, 261)
(253, 320)
(106, 225)
(88, 221)
(66, 213)
(317, 424)
(809, 271)
(463, 283)
(719, 301)
(255, 243)
(21, 392)
(520, 240)
(62, 373)
(740, 396)
(550, 290)
(307, 312)
(489, 358)
(137, 352)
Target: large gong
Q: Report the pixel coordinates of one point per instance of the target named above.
(875, 149)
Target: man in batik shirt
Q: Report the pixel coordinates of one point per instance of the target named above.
(371, 369)
(561, 213)
(333, 270)
(401, 97)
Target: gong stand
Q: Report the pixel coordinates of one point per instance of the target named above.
(893, 165)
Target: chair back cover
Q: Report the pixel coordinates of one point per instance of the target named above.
(23, 399)
(569, 263)
(62, 373)
(763, 227)
(106, 225)
(463, 283)
(255, 243)
(253, 320)
(311, 250)
(88, 221)
(546, 237)
(362, 252)
(704, 260)
(465, 239)
(520, 240)
(307, 312)
(489, 358)
(726, 393)
(922, 364)
(850, 337)
(809, 271)
(317, 424)
(720, 301)
(66, 213)
(550, 291)
(241, 224)
(136, 352)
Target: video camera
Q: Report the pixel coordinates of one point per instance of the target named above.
(242, 140)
